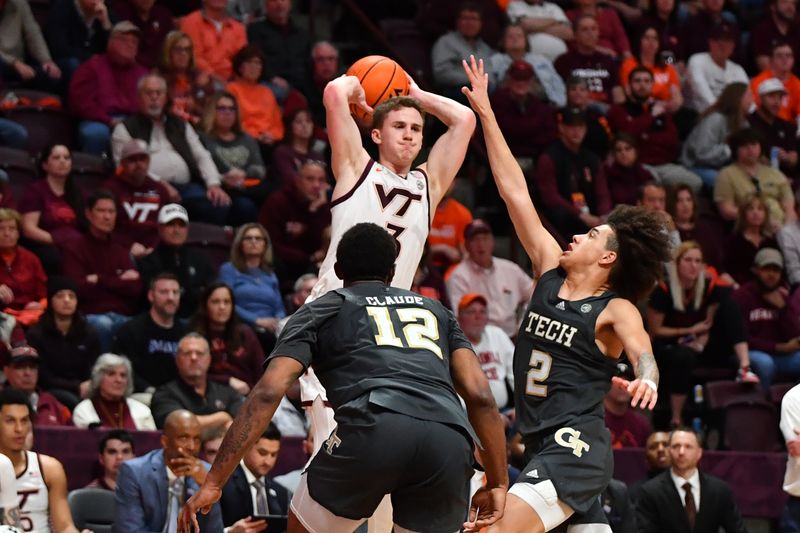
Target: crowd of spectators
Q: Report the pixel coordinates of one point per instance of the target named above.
(212, 113)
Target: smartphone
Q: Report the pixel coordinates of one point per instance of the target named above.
(276, 523)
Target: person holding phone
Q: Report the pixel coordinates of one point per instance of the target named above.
(250, 496)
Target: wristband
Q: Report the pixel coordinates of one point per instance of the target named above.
(650, 383)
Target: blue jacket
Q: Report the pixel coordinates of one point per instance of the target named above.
(257, 293)
(141, 497)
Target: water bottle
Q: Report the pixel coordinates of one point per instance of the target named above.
(698, 394)
(773, 157)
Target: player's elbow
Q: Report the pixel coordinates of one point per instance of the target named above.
(480, 398)
(466, 120)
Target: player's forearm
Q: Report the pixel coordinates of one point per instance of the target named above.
(488, 424)
(646, 367)
(451, 113)
(339, 91)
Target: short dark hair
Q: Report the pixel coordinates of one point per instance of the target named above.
(121, 435)
(366, 252)
(246, 54)
(642, 244)
(640, 69)
(469, 5)
(97, 195)
(271, 433)
(625, 137)
(9, 396)
(650, 183)
(686, 429)
(744, 137)
(163, 275)
(392, 104)
(779, 43)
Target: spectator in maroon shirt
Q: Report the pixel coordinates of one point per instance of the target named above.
(295, 218)
(154, 22)
(108, 282)
(23, 283)
(52, 208)
(779, 25)
(770, 316)
(103, 89)
(570, 179)
(586, 61)
(628, 427)
(612, 41)
(139, 199)
(649, 121)
(625, 174)
(21, 369)
(752, 232)
(528, 123)
(299, 145)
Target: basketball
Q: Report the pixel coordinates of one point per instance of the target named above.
(381, 78)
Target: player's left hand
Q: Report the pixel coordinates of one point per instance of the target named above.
(202, 500)
(478, 93)
(643, 394)
(486, 508)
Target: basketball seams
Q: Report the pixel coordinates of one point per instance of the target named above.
(389, 83)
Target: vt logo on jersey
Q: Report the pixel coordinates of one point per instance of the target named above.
(550, 329)
(569, 438)
(388, 198)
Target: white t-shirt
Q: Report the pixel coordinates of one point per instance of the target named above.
(542, 43)
(706, 80)
(495, 353)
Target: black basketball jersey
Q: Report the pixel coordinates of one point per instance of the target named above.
(388, 345)
(560, 375)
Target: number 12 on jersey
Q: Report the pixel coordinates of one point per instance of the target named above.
(421, 329)
(539, 364)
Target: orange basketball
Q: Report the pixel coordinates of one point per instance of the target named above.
(381, 78)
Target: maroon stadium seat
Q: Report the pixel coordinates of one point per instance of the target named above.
(90, 171)
(720, 394)
(20, 168)
(751, 426)
(215, 241)
(45, 125)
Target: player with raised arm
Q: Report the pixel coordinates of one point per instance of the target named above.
(389, 192)
(392, 362)
(580, 319)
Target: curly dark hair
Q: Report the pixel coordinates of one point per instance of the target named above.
(366, 252)
(642, 244)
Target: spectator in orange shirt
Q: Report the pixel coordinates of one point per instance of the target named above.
(780, 66)
(666, 83)
(446, 238)
(258, 108)
(188, 86)
(216, 38)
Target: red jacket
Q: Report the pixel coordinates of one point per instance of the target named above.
(25, 277)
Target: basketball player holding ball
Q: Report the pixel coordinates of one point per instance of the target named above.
(389, 192)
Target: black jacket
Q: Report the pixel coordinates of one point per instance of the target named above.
(237, 499)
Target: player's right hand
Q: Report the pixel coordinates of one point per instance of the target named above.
(486, 508)
(202, 500)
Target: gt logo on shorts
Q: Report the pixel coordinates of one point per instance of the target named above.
(332, 443)
(569, 438)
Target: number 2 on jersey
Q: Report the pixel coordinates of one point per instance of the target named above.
(540, 364)
(417, 335)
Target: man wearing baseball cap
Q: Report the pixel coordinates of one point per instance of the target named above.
(21, 368)
(139, 198)
(773, 338)
(103, 90)
(192, 267)
(503, 284)
(528, 121)
(778, 134)
(780, 67)
(493, 347)
(709, 72)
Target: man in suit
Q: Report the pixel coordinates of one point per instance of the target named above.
(683, 499)
(152, 488)
(249, 492)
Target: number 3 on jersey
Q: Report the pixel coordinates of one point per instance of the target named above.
(540, 364)
(417, 335)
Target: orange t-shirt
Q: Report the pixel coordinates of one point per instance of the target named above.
(449, 221)
(664, 77)
(258, 109)
(790, 105)
(214, 50)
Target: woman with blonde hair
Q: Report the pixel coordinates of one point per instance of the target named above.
(251, 277)
(235, 153)
(691, 319)
(188, 87)
(109, 403)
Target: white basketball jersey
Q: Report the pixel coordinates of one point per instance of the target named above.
(34, 504)
(399, 204)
